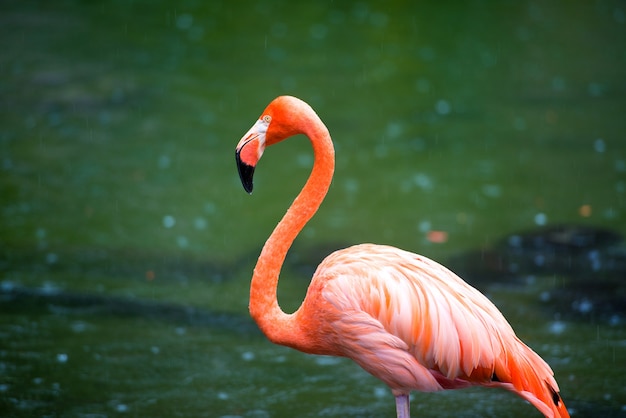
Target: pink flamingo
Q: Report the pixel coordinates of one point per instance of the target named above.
(402, 317)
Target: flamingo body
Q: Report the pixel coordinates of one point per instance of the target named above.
(404, 318)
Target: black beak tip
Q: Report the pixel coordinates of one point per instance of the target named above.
(246, 173)
(247, 185)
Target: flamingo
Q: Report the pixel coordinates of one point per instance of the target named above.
(402, 317)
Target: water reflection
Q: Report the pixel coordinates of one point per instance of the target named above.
(589, 262)
(73, 304)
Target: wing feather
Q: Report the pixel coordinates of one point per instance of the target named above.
(447, 325)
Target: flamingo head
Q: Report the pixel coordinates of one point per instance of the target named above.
(282, 118)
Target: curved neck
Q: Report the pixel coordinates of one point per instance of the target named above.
(264, 308)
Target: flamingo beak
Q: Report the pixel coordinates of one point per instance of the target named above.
(246, 172)
(249, 150)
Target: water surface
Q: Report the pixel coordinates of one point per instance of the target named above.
(128, 242)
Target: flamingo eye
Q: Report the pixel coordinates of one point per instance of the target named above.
(267, 118)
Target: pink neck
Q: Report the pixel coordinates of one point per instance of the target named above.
(264, 308)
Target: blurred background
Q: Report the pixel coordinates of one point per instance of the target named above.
(488, 136)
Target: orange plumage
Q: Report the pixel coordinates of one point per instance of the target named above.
(402, 317)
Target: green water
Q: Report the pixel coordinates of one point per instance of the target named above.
(127, 241)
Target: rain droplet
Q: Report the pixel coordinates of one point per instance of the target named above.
(595, 260)
(351, 185)
(381, 392)
(200, 223)
(423, 181)
(426, 53)
(595, 89)
(583, 306)
(49, 288)
(558, 83)
(184, 21)
(304, 160)
(79, 326)
(541, 219)
(182, 241)
(169, 221)
(599, 145)
(209, 207)
(7, 285)
(51, 258)
(515, 241)
(557, 327)
(442, 107)
(62, 358)
(327, 360)
(7, 164)
(418, 144)
(492, 190)
(395, 129)
(207, 118)
(121, 407)
(424, 226)
(164, 162)
(422, 85)
(318, 31)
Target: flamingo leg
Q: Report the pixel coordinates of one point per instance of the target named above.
(403, 409)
